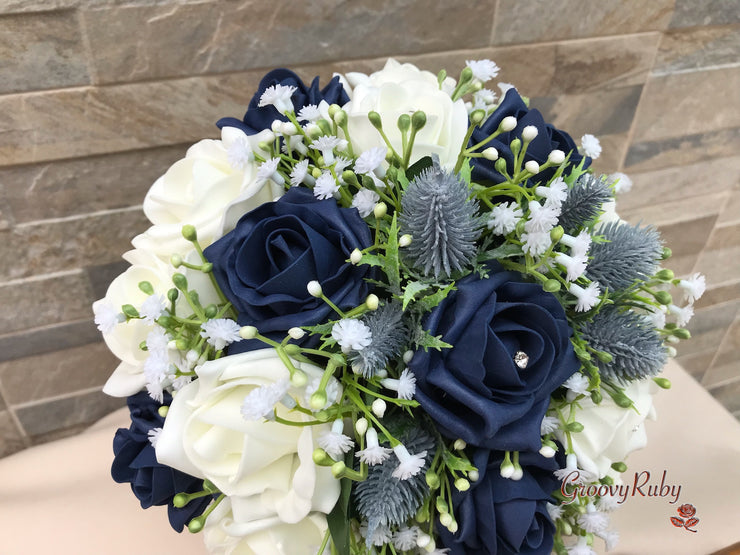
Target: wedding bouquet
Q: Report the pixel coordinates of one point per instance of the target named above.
(393, 315)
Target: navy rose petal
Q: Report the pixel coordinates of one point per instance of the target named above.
(474, 390)
(265, 263)
(260, 118)
(499, 516)
(136, 463)
(548, 138)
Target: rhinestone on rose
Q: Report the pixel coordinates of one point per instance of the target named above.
(521, 359)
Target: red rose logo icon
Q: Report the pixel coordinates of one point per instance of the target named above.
(687, 510)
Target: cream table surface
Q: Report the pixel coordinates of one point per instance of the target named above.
(59, 498)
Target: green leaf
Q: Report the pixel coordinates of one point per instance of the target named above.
(371, 260)
(321, 329)
(392, 265)
(428, 341)
(507, 250)
(430, 301)
(456, 463)
(411, 290)
(466, 170)
(338, 520)
(417, 167)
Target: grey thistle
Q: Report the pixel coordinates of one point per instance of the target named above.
(436, 211)
(383, 500)
(630, 253)
(389, 335)
(583, 203)
(636, 347)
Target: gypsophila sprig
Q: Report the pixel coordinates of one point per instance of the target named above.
(369, 308)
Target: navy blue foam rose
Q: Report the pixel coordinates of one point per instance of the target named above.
(257, 119)
(499, 516)
(548, 139)
(265, 263)
(474, 390)
(136, 463)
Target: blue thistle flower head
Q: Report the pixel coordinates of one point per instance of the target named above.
(583, 203)
(382, 499)
(389, 334)
(630, 253)
(438, 213)
(636, 347)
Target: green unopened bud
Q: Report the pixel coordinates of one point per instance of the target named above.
(516, 146)
(574, 427)
(349, 177)
(404, 122)
(372, 302)
(476, 116)
(291, 349)
(622, 400)
(248, 332)
(321, 415)
(299, 378)
(556, 233)
(324, 126)
(321, 457)
(340, 118)
(162, 411)
(432, 479)
(263, 145)
(567, 528)
(194, 297)
(441, 76)
(663, 297)
(338, 469)
(196, 525)
(181, 344)
(466, 75)
(665, 274)
(418, 120)
(619, 466)
(146, 287)
(375, 120)
(682, 333)
(165, 321)
(663, 383)
(211, 311)
(380, 210)
(500, 165)
(667, 253)
(608, 480)
(180, 500)
(392, 172)
(551, 286)
(176, 260)
(180, 281)
(130, 311)
(316, 173)
(604, 357)
(333, 109)
(671, 326)
(210, 487)
(461, 484)
(188, 231)
(422, 515)
(596, 397)
(441, 505)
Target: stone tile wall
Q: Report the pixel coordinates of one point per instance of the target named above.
(98, 97)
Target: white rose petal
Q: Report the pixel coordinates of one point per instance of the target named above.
(266, 468)
(402, 89)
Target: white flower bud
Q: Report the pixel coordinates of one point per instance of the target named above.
(473, 476)
(378, 407)
(556, 157)
(380, 210)
(314, 288)
(372, 301)
(248, 332)
(423, 540)
(296, 333)
(529, 133)
(445, 519)
(508, 123)
(459, 445)
(277, 126)
(405, 240)
(192, 356)
(288, 129)
(547, 452)
(356, 256)
(407, 356)
(361, 426)
(532, 167)
(490, 154)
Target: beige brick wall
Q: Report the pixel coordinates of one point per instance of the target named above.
(98, 97)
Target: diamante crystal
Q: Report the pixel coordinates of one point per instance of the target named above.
(521, 359)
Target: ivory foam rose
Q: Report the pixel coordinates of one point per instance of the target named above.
(265, 468)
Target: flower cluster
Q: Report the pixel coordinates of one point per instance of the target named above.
(388, 316)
